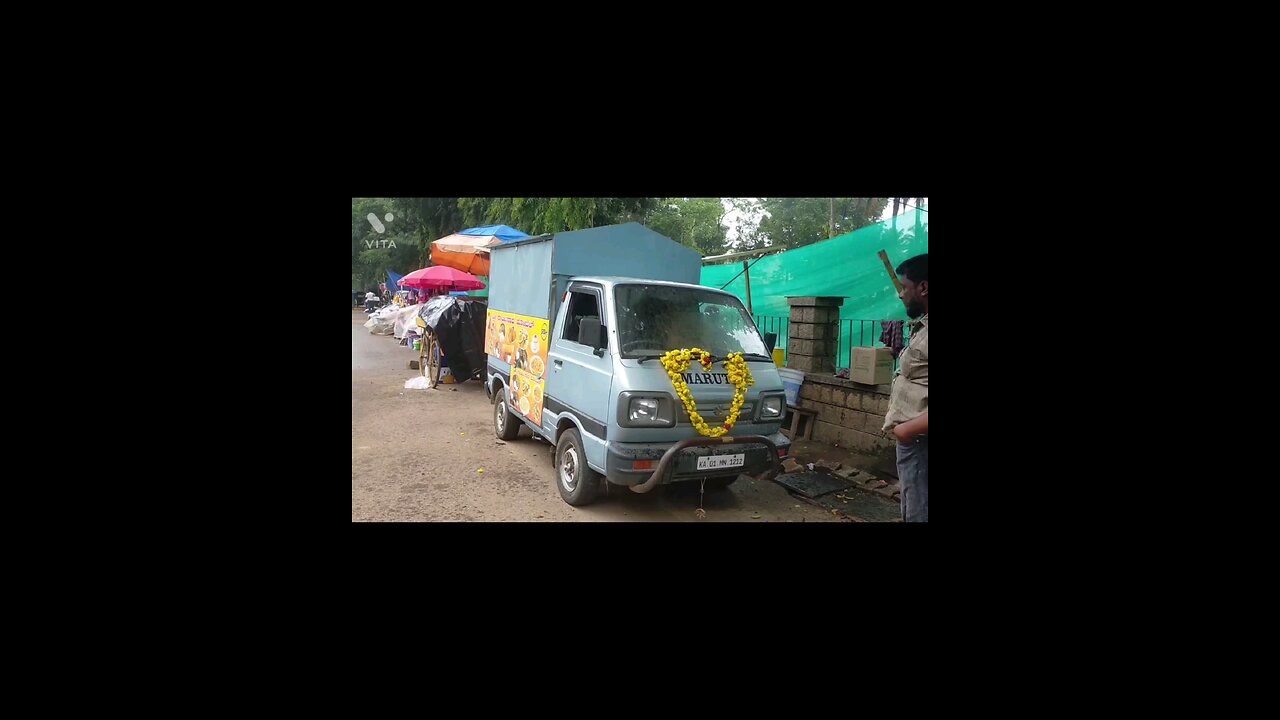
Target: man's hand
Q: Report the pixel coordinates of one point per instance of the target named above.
(907, 431)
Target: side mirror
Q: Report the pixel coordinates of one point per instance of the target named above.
(591, 332)
(770, 339)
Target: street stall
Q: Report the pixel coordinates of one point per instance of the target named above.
(452, 327)
(453, 339)
(391, 320)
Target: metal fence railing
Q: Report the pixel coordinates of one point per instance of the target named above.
(773, 324)
(853, 333)
(862, 333)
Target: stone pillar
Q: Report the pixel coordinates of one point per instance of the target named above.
(813, 333)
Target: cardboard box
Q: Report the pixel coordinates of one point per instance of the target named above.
(871, 366)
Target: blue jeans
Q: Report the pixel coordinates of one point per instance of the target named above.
(913, 479)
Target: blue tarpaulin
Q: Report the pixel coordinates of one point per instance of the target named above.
(505, 233)
(393, 281)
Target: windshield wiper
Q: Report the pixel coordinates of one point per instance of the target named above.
(714, 359)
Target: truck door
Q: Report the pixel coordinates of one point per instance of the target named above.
(578, 379)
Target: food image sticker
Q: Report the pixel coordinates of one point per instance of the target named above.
(521, 342)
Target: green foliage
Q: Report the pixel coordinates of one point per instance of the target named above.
(373, 253)
(695, 222)
(796, 222)
(698, 223)
(538, 216)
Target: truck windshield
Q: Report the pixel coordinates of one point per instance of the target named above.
(653, 319)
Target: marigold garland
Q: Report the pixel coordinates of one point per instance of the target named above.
(677, 361)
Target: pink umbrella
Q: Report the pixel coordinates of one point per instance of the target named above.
(439, 276)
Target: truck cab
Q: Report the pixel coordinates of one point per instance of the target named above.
(587, 374)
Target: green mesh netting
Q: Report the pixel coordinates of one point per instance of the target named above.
(845, 266)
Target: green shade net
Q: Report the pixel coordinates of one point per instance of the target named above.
(846, 266)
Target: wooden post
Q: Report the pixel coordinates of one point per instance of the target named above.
(746, 271)
(892, 275)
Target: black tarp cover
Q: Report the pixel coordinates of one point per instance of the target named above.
(459, 325)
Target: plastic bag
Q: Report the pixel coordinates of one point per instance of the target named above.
(418, 383)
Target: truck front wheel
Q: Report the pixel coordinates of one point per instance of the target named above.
(576, 482)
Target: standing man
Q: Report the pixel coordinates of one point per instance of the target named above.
(908, 416)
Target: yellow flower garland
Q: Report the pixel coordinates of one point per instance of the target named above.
(677, 361)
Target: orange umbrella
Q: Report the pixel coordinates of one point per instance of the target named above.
(468, 250)
(468, 253)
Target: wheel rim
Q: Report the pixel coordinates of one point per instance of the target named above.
(569, 468)
(433, 358)
(500, 417)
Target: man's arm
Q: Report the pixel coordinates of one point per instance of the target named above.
(908, 430)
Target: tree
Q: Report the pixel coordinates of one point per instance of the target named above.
(746, 224)
(796, 222)
(428, 220)
(694, 222)
(537, 216)
(373, 252)
(901, 204)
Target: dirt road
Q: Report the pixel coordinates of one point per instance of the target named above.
(418, 455)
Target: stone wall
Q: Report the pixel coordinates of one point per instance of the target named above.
(850, 414)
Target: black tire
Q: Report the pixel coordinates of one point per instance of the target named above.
(505, 425)
(432, 352)
(577, 483)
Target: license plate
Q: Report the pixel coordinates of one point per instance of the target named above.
(715, 462)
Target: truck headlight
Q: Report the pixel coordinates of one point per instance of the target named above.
(771, 407)
(643, 409)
